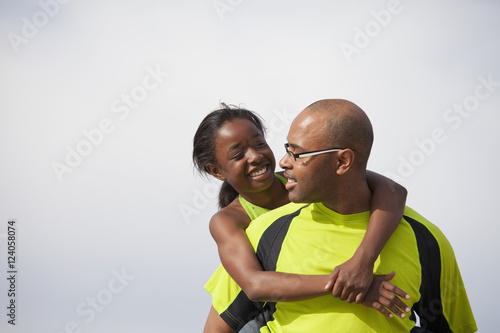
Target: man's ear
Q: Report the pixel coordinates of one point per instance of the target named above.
(345, 161)
(215, 171)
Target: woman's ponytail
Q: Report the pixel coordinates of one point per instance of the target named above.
(226, 194)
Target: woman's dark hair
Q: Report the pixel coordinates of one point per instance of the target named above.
(204, 142)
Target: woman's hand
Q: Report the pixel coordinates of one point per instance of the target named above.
(384, 296)
(351, 280)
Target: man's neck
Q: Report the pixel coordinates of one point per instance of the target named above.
(355, 198)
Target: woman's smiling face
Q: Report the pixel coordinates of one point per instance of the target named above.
(244, 159)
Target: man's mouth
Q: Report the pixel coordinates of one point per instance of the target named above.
(259, 171)
(291, 182)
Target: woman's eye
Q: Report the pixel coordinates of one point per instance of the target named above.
(237, 156)
(261, 145)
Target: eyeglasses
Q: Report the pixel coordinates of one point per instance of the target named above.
(310, 153)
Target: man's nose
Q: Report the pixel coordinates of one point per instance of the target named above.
(285, 162)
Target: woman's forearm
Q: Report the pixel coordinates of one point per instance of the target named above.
(284, 287)
(387, 207)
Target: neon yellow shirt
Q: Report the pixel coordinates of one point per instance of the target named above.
(312, 239)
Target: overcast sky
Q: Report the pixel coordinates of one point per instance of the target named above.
(100, 101)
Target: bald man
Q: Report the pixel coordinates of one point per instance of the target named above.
(328, 148)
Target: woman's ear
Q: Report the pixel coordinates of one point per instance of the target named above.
(345, 161)
(214, 171)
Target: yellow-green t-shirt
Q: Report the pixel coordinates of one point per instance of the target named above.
(312, 239)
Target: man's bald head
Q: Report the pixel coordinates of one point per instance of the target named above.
(345, 125)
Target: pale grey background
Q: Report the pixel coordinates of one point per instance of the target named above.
(135, 204)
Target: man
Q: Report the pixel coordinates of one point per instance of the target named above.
(327, 152)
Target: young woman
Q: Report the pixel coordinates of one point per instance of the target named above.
(230, 145)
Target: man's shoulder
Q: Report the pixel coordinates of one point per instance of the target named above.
(260, 224)
(418, 222)
(279, 212)
(412, 216)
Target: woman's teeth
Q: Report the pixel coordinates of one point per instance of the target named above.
(259, 172)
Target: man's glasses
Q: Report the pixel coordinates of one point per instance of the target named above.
(310, 153)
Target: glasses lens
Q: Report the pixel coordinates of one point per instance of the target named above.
(289, 152)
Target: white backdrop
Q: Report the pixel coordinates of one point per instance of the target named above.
(100, 101)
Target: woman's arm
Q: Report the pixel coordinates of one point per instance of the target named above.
(352, 279)
(239, 259)
(215, 324)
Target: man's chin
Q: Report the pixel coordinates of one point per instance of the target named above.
(295, 197)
